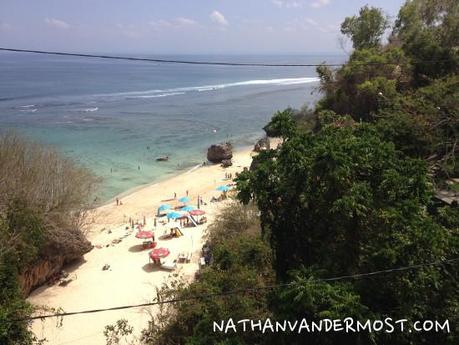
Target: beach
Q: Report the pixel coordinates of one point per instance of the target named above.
(130, 279)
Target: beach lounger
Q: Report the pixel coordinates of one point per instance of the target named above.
(182, 258)
(169, 265)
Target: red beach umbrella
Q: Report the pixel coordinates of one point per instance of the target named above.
(197, 212)
(144, 235)
(159, 253)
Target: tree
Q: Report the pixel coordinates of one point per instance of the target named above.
(428, 31)
(282, 124)
(344, 201)
(367, 29)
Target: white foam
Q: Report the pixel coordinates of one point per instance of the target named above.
(182, 90)
(159, 95)
(91, 110)
(27, 106)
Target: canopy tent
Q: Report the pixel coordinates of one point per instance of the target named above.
(184, 199)
(144, 235)
(187, 208)
(176, 215)
(197, 212)
(223, 188)
(164, 207)
(159, 253)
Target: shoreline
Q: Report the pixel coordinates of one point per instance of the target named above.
(166, 177)
(131, 279)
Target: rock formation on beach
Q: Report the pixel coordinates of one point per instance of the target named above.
(262, 144)
(218, 153)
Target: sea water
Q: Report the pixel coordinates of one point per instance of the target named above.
(117, 117)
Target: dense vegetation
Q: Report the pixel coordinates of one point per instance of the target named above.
(350, 190)
(43, 200)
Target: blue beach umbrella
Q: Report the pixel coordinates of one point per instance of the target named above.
(188, 208)
(164, 207)
(223, 188)
(174, 215)
(184, 199)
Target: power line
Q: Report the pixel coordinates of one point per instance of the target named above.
(236, 291)
(193, 62)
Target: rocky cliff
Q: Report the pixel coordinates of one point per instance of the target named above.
(62, 247)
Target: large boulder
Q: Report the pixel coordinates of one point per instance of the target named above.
(218, 153)
(262, 144)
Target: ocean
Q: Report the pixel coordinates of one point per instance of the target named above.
(117, 117)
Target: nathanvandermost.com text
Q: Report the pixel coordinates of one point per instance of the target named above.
(346, 325)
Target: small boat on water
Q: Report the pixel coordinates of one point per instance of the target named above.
(162, 159)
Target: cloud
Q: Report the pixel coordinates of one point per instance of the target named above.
(218, 18)
(185, 21)
(320, 3)
(173, 23)
(287, 3)
(57, 23)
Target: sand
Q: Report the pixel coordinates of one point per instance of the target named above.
(130, 279)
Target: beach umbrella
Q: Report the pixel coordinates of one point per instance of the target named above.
(184, 199)
(144, 235)
(159, 253)
(187, 208)
(164, 207)
(197, 212)
(174, 215)
(223, 188)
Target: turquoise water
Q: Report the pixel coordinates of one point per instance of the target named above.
(116, 117)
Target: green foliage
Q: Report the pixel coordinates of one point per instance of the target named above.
(12, 304)
(428, 31)
(44, 197)
(366, 84)
(282, 124)
(367, 29)
(344, 201)
(424, 123)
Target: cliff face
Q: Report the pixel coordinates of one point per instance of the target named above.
(62, 247)
(40, 273)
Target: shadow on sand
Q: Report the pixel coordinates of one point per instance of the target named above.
(151, 267)
(138, 248)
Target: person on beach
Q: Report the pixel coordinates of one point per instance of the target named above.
(187, 193)
(117, 201)
(175, 195)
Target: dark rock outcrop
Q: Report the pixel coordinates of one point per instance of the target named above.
(262, 144)
(218, 153)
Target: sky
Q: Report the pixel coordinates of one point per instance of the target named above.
(180, 26)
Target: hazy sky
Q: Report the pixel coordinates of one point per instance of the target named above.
(179, 26)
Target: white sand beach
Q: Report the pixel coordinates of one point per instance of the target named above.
(130, 279)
